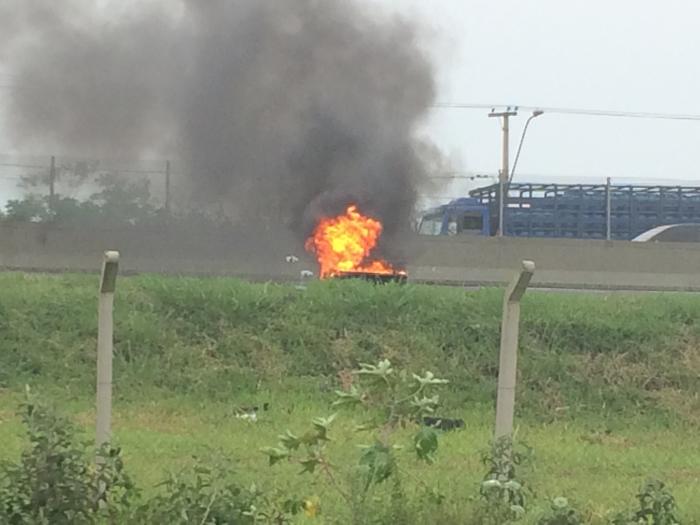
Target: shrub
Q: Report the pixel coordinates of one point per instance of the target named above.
(389, 398)
(657, 506)
(503, 494)
(200, 495)
(561, 513)
(56, 480)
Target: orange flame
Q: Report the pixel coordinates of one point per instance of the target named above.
(343, 243)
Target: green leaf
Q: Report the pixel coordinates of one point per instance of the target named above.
(321, 426)
(293, 506)
(491, 484)
(309, 464)
(380, 463)
(351, 398)
(429, 379)
(426, 405)
(426, 444)
(560, 503)
(518, 511)
(364, 427)
(435, 496)
(289, 441)
(382, 370)
(275, 454)
(513, 485)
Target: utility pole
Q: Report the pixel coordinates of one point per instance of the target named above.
(167, 187)
(52, 186)
(505, 171)
(608, 211)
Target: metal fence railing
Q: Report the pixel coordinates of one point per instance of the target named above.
(47, 181)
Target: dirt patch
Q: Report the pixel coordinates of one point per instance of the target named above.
(681, 403)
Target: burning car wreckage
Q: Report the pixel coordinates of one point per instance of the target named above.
(343, 247)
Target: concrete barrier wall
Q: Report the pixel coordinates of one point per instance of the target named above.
(251, 254)
(560, 262)
(260, 254)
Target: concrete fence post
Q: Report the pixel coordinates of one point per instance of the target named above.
(508, 362)
(105, 331)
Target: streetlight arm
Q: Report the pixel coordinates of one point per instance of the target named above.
(535, 114)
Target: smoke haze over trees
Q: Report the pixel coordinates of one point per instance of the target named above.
(286, 110)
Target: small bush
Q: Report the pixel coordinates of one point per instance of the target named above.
(561, 513)
(657, 506)
(56, 481)
(202, 495)
(503, 494)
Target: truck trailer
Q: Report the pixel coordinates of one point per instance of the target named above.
(580, 211)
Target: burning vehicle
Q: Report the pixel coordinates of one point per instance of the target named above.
(343, 247)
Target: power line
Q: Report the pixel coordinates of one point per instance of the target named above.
(460, 175)
(26, 166)
(575, 111)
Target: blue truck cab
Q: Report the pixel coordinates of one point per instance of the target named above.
(464, 216)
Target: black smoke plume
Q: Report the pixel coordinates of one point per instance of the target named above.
(283, 109)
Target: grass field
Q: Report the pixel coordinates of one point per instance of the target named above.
(609, 385)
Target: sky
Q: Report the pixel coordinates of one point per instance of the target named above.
(623, 55)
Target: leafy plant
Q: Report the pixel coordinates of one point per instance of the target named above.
(202, 495)
(209, 494)
(56, 480)
(561, 513)
(389, 399)
(657, 506)
(503, 494)
(379, 463)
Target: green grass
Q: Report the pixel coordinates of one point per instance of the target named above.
(599, 471)
(609, 387)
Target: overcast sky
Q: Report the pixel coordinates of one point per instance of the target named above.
(636, 55)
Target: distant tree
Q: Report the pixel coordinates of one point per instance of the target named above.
(118, 202)
(30, 209)
(115, 200)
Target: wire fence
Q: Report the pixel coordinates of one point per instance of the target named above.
(157, 182)
(54, 177)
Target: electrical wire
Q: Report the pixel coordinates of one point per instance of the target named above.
(575, 111)
(26, 166)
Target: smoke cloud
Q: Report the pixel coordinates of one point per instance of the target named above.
(284, 110)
